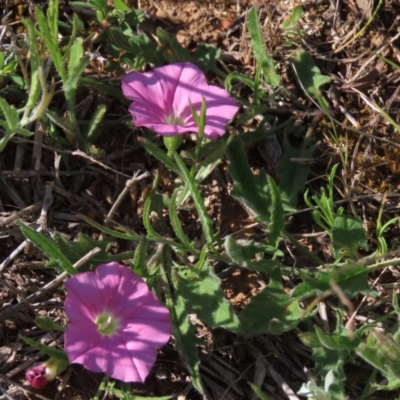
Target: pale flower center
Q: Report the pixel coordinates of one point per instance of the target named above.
(107, 324)
(174, 119)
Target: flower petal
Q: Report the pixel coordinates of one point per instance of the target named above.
(144, 323)
(171, 90)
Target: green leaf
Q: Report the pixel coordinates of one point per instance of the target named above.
(116, 36)
(266, 62)
(272, 311)
(77, 64)
(128, 235)
(253, 192)
(51, 43)
(205, 220)
(11, 66)
(121, 6)
(352, 281)
(392, 384)
(243, 255)
(348, 233)
(175, 51)
(103, 88)
(258, 392)
(203, 295)
(292, 175)
(177, 226)
(52, 17)
(75, 250)
(60, 122)
(187, 341)
(50, 351)
(139, 260)
(381, 351)
(48, 324)
(206, 57)
(327, 360)
(342, 341)
(48, 246)
(296, 14)
(142, 46)
(93, 130)
(151, 232)
(277, 222)
(309, 74)
(10, 114)
(156, 152)
(241, 78)
(34, 87)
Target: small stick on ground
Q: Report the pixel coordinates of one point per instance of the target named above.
(129, 183)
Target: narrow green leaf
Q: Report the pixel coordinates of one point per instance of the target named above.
(77, 64)
(51, 43)
(139, 259)
(263, 59)
(48, 246)
(10, 114)
(48, 324)
(239, 77)
(117, 37)
(131, 235)
(177, 226)
(277, 222)
(93, 131)
(75, 250)
(52, 17)
(205, 220)
(253, 192)
(152, 234)
(293, 175)
(187, 341)
(103, 88)
(258, 392)
(155, 151)
(34, 86)
(50, 351)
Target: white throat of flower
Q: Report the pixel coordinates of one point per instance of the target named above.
(174, 119)
(107, 324)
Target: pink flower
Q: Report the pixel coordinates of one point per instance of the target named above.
(161, 100)
(116, 323)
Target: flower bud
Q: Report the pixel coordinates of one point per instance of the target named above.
(39, 375)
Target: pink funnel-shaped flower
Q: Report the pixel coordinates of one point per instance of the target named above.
(162, 100)
(116, 323)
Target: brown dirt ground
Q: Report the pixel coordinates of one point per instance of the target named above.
(229, 361)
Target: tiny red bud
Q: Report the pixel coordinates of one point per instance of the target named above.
(36, 376)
